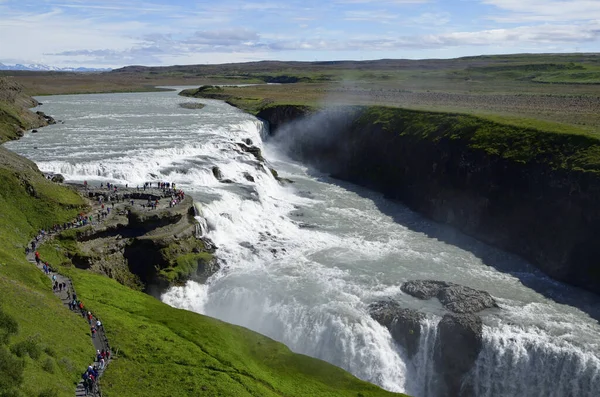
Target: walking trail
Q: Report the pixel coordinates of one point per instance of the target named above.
(100, 341)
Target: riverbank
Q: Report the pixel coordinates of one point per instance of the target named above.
(163, 351)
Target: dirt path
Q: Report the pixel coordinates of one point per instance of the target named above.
(100, 341)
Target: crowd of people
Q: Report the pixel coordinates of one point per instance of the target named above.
(90, 376)
(106, 205)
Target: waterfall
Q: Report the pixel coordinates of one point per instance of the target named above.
(526, 362)
(202, 224)
(425, 378)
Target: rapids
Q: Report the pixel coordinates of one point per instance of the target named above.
(301, 262)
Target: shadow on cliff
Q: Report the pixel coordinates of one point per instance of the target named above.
(318, 140)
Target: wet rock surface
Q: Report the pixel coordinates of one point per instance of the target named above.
(253, 150)
(459, 342)
(454, 297)
(403, 324)
(217, 173)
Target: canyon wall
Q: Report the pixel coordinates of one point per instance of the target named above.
(534, 193)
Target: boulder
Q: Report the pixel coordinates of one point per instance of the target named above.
(461, 299)
(423, 289)
(48, 119)
(206, 268)
(217, 173)
(253, 150)
(404, 324)
(58, 178)
(248, 177)
(458, 345)
(454, 297)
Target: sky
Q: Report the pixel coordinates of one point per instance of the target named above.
(111, 33)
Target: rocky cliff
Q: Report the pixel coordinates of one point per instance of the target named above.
(14, 116)
(531, 192)
(458, 337)
(140, 247)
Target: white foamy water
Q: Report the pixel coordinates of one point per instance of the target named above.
(302, 262)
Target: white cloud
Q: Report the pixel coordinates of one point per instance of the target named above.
(545, 10)
(116, 33)
(372, 15)
(430, 19)
(157, 48)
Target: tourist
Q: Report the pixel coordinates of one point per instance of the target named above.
(86, 383)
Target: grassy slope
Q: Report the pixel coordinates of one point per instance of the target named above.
(26, 292)
(169, 352)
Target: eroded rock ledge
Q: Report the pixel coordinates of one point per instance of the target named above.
(143, 248)
(459, 334)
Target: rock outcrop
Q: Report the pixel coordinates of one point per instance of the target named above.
(49, 119)
(404, 324)
(457, 347)
(253, 150)
(58, 178)
(217, 173)
(456, 298)
(146, 249)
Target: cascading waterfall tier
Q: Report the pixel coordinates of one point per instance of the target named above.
(518, 362)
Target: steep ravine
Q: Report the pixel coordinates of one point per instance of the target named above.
(530, 192)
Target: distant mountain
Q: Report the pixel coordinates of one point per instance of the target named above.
(38, 67)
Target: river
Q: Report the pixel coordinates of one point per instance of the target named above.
(301, 262)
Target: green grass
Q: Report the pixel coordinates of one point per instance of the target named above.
(185, 267)
(566, 149)
(169, 352)
(64, 246)
(29, 202)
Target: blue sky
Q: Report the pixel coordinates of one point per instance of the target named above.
(110, 33)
